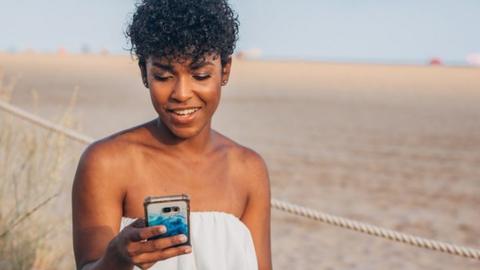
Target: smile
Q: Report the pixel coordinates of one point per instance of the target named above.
(183, 112)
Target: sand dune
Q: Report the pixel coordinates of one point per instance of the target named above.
(398, 146)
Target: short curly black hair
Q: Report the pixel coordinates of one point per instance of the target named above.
(183, 29)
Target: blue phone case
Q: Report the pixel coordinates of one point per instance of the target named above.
(171, 211)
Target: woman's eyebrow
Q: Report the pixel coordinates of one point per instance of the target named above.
(198, 65)
(164, 66)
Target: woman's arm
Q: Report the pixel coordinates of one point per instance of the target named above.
(96, 207)
(257, 212)
(97, 200)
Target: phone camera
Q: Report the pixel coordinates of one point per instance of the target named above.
(167, 210)
(176, 209)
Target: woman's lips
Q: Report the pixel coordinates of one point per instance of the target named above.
(183, 116)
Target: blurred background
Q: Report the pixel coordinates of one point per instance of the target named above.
(364, 109)
(406, 32)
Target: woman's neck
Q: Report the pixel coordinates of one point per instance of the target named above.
(197, 144)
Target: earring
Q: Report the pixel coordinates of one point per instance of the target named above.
(224, 82)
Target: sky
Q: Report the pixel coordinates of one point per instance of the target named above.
(345, 30)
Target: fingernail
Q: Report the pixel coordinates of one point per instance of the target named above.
(187, 250)
(182, 238)
(162, 229)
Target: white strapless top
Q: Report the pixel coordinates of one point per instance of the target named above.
(220, 241)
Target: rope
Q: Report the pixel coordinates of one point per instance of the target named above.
(45, 123)
(286, 206)
(376, 231)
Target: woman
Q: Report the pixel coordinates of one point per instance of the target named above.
(184, 53)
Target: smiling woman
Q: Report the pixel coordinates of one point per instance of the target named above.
(185, 95)
(184, 53)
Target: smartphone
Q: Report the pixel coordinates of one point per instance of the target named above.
(173, 212)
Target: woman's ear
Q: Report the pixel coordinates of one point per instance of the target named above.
(143, 70)
(226, 70)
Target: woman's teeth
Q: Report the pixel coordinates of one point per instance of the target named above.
(186, 111)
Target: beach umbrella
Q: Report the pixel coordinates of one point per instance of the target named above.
(436, 61)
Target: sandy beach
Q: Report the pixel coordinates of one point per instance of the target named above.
(396, 146)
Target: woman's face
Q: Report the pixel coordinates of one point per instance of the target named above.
(186, 94)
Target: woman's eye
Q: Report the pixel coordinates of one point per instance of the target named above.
(161, 78)
(201, 77)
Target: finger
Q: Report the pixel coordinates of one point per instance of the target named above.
(138, 223)
(163, 243)
(139, 234)
(152, 257)
(137, 248)
(146, 265)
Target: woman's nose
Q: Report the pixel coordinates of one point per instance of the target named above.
(182, 90)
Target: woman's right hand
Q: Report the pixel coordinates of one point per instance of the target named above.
(131, 245)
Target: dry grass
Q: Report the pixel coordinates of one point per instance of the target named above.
(32, 162)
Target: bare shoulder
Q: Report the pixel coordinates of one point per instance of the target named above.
(248, 164)
(113, 150)
(252, 162)
(106, 161)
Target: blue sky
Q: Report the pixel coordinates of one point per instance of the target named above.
(363, 31)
